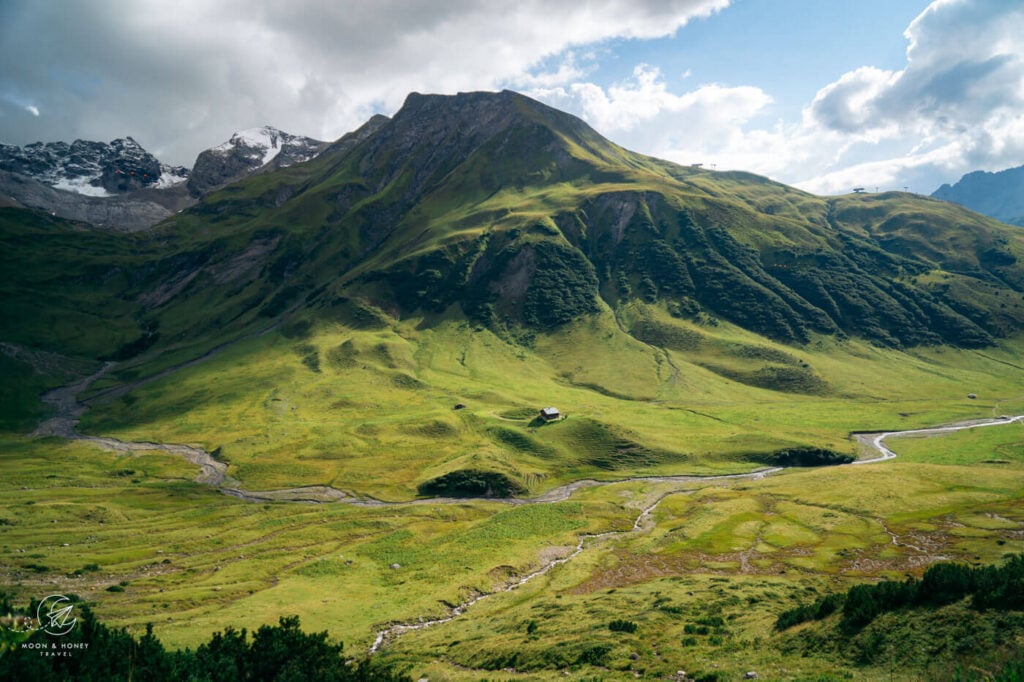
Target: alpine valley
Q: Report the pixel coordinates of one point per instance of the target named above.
(311, 383)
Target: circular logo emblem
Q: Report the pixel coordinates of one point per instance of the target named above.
(54, 615)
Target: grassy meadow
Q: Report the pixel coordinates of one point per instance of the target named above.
(371, 411)
(698, 584)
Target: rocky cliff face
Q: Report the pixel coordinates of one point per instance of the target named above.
(129, 212)
(247, 152)
(96, 169)
(999, 195)
(120, 185)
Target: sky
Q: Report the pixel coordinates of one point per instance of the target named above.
(826, 95)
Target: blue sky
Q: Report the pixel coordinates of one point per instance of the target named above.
(789, 48)
(823, 94)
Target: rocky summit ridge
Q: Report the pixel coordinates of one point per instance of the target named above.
(98, 169)
(999, 195)
(120, 185)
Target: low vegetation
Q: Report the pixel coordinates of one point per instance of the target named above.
(989, 587)
(471, 483)
(808, 457)
(92, 651)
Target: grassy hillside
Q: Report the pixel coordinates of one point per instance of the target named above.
(526, 219)
(703, 579)
(371, 411)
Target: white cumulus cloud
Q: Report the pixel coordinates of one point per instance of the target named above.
(641, 113)
(956, 106)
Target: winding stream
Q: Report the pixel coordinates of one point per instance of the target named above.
(67, 411)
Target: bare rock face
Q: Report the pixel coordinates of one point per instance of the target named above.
(128, 212)
(999, 195)
(249, 151)
(119, 185)
(116, 185)
(97, 169)
(128, 167)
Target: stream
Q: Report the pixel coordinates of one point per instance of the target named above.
(67, 411)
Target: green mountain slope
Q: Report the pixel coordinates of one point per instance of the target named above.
(525, 217)
(490, 225)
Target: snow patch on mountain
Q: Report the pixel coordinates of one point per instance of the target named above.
(80, 185)
(265, 139)
(107, 169)
(95, 169)
(246, 152)
(171, 176)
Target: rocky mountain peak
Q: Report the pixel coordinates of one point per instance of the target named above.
(248, 151)
(509, 136)
(999, 195)
(471, 116)
(91, 168)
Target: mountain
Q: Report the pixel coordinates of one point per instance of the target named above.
(265, 148)
(99, 169)
(120, 185)
(1000, 195)
(523, 217)
(117, 184)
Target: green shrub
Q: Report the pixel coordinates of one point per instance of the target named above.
(806, 456)
(594, 655)
(990, 587)
(471, 483)
(619, 625)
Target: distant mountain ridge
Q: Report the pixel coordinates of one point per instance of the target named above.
(1000, 194)
(92, 168)
(119, 184)
(246, 152)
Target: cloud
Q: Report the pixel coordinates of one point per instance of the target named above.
(851, 103)
(183, 76)
(641, 113)
(957, 105)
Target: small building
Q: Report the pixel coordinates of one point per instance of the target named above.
(550, 414)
